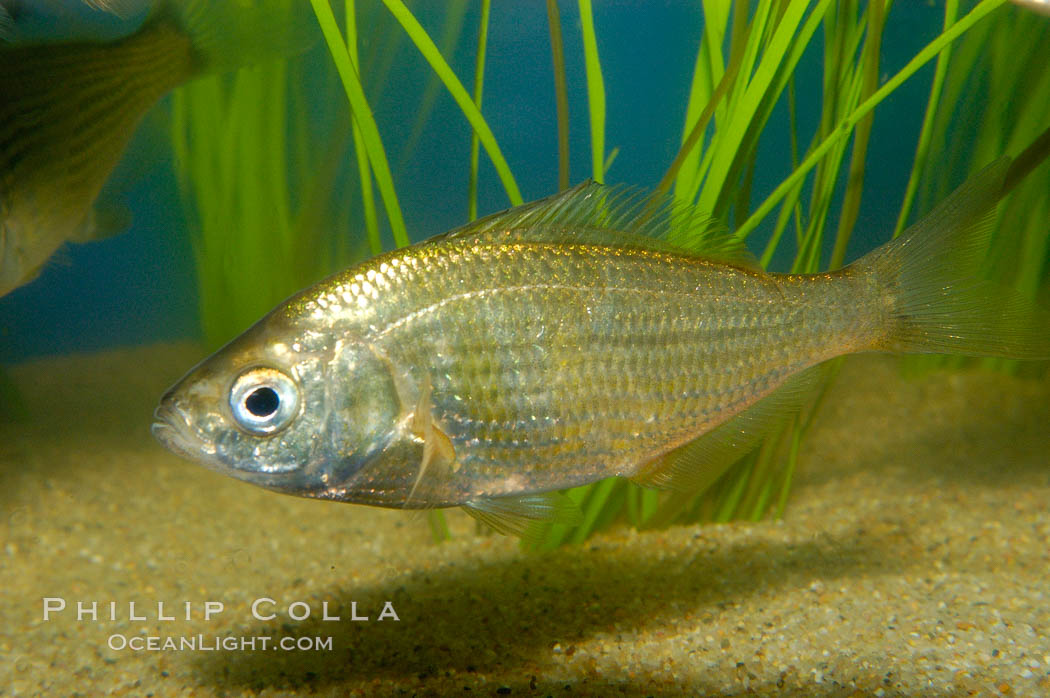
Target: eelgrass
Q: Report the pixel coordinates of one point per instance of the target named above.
(479, 86)
(595, 91)
(362, 115)
(561, 92)
(454, 16)
(232, 165)
(746, 64)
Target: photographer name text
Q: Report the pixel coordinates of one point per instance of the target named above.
(262, 608)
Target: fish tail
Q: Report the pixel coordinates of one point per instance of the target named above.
(225, 35)
(931, 296)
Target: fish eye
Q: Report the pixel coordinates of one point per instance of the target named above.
(264, 400)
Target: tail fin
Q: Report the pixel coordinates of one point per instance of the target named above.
(931, 277)
(226, 35)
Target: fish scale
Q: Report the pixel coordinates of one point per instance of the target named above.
(594, 336)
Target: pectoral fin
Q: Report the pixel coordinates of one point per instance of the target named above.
(693, 467)
(439, 454)
(513, 515)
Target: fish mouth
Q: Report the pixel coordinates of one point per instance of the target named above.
(173, 430)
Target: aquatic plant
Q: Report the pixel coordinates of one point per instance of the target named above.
(747, 65)
(258, 159)
(235, 167)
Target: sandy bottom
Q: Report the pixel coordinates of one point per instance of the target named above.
(914, 559)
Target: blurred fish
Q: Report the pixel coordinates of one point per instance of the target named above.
(591, 334)
(21, 20)
(68, 110)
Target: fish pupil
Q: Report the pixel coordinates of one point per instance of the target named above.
(262, 402)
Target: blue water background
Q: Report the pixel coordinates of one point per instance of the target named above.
(140, 287)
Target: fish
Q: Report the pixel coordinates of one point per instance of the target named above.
(65, 17)
(596, 333)
(69, 109)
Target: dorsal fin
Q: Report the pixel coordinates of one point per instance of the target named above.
(617, 216)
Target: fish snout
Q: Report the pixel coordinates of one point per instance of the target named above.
(174, 429)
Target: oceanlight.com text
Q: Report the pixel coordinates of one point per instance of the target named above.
(214, 643)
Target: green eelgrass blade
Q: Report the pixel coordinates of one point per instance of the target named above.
(707, 70)
(362, 114)
(729, 502)
(845, 127)
(760, 87)
(922, 150)
(791, 209)
(479, 83)
(455, 14)
(364, 174)
(634, 509)
(751, 101)
(600, 503)
(843, 85)
(595, 91)
(430, 53)
(687, 151)
(855, 179)
(788, 473)
(561, 92)
(768, 462)
(223, 127)
(438, 526)
(597, 500)
(609, 160)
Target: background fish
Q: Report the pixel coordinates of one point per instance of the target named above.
(68, 110)
(588, 335)
(58, 20)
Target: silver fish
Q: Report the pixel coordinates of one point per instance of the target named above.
(588, 335)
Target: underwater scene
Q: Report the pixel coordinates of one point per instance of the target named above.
(564, 348)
